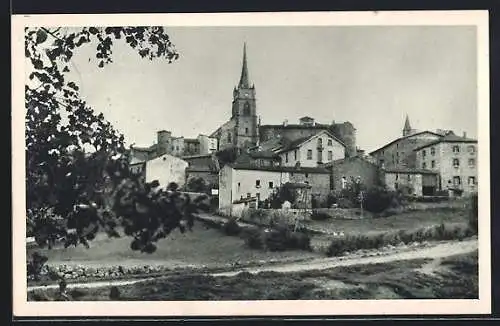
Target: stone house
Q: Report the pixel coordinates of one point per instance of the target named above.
(166, 169)
(355, 167)
(454, 159)
(238, 181)
(307, 126)
(417, 182)
(399, 153)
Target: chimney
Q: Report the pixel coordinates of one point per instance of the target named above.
(465, 134)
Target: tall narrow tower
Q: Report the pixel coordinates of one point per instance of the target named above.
(244, 109)
(407, 128)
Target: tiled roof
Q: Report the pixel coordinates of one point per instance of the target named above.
(409, 171)
(405, 137)
(297, 185)
(246, 166)
(349, 159)
(448, 139)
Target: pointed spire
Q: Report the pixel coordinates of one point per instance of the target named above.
(407, 127)
(244, 83)
(407, 123)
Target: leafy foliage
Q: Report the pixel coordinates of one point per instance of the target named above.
(473, 213)
(77, 175)
(35, 265)
(197, 185)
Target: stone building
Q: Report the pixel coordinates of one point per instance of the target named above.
(454, 159)
(175, 146)
(239, 181)
(309, 151)
(307, 126)
(241, 130)
(399, 153)
(166, 169)
(204, 166)
(355, 167)
(412, 181)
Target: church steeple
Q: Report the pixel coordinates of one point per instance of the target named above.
(407, 127)
(244, 82)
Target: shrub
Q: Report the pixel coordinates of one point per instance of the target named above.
(378, 199)
(231, 227)
(374, 241)
(473, 214)
(254, 238)
(345, 203)
(35, 265)
(319, 215)
(281, 239)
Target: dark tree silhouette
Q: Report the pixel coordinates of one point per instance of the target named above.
(77, 175)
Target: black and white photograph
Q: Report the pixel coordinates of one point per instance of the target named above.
(286, 163)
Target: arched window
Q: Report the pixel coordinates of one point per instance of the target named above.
(246, 109)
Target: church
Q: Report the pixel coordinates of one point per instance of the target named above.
(242, 129)
(245, 132)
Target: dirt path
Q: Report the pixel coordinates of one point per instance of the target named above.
(437, 251)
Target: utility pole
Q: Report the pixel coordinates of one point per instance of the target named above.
(361, 201)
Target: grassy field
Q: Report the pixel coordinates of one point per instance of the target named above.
(404, 221)
(453, 277)
(203, 246)
(210, 247)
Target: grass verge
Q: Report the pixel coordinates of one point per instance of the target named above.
(455, 277)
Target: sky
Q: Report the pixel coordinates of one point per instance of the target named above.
(371, 76)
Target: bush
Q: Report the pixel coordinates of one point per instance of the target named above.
(282, 237)
(330, 200)
(231, 227)
(375, 241)
(35, 265)
(378, 199)
(473, 214)
(319, 215)
(254, 238)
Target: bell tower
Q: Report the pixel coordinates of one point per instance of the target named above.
(244, 109)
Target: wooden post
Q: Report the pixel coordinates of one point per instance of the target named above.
(361, 201)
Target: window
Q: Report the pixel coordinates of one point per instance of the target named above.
(257, 183)
(320, 142)
(456, 149)
(271, 185)
(471, 149)
(423, 153)
(309, 154)
(397, 176)
(330, 142)
(456, 181)
(472, 180)
(397, 145)
(330, 155)
(295, 154)
(472, 162)
(433, 164)
(320, 156)
(433, 151)
(408, 177)
(424, 165)
(286, 157)
(246, 109)
(307, 175)
(246, 131)
(456, 163)
(239, 186)
(229, 137)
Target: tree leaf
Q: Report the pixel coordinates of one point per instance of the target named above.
(41, 36)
